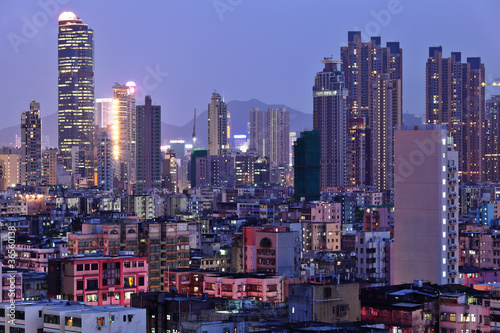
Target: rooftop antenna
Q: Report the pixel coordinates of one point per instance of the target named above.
(194, 129)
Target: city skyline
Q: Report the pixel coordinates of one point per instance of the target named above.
(268, 78)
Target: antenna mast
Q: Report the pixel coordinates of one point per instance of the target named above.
(194, 129)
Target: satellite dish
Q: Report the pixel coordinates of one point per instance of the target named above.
(42, 295)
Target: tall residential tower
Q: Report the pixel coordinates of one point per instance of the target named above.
(217, 125)
(30, 170)
(330, 119)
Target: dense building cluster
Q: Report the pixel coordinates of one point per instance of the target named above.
(361, 224)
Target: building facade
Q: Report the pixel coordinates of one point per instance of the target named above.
(330, 119)
(30, 158)
(217, 125)
(75, 87)
(148, 156)
(425, 206)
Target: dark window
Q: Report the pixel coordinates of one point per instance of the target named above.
(87, 267)
(79, 285)
(95, 267)
(92, 284)
(79, 267)
(327, 293)
(141, 280)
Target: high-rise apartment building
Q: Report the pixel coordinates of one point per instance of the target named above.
(217, 125)
(492, 140)
(257, 131)
(103, 112)
(382, 133)
(425, 206)
(30, 157)
(362, 63)
(148, 156)
(330, 119)
(276, 136)
(105, 159)
(455, 96)
(50, 161)
(124, 135)
(75, 87)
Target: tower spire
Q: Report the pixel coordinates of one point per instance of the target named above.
(194, 129)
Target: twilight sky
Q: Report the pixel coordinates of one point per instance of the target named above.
(177, 51)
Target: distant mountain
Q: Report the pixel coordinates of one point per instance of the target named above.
(411, 120)
(239, 110)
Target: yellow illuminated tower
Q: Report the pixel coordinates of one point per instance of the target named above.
(124, 134)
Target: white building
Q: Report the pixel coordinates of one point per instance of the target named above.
(63, 316)
(373, 255)
(425, 206)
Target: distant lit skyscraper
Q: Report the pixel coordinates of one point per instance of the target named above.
(455, 96)
(257, 131)
(105, 159)
(31, 146)
(217, 125)
(76, 87)
(103, 112)
(148, 157)
(330, 119)
(276, 136)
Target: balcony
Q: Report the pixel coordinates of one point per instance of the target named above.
(452, 234)
(452, 208)
(453, 221)
(453, 182)
(453, 247)
(452, 261)
(452, 168)
(453, 274)
(453, 195)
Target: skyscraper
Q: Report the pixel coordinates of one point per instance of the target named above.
(124, 134)
(30, 170)
(257, 131)
(362, 62)
(455, 96)
(492, 140)
(382, 133)
(425, 206)
(75, 87)
(330, 119)
(149, 160)
(276, 136)
(105, 159)
(217, 125)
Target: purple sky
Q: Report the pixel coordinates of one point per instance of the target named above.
(269, 50)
